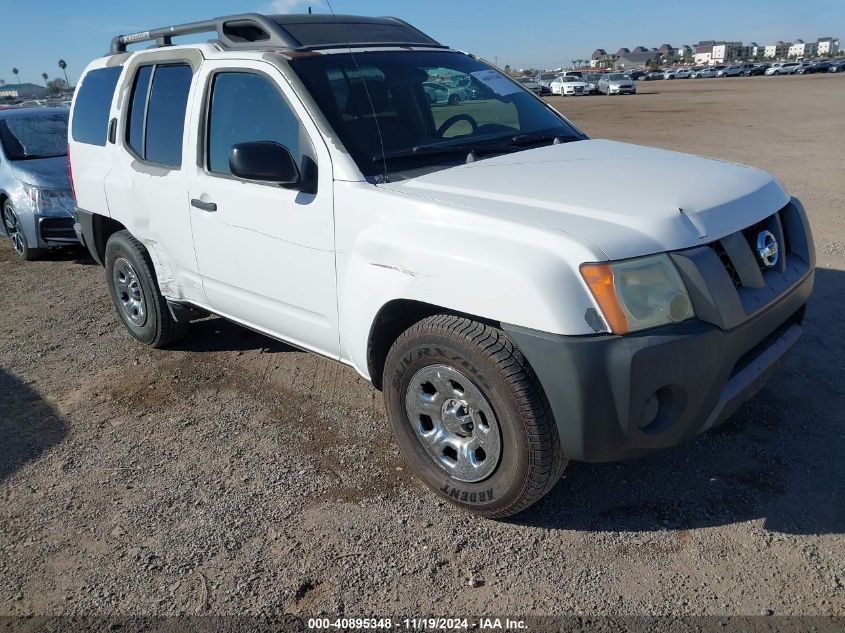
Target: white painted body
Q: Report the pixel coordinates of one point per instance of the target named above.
(502, 238)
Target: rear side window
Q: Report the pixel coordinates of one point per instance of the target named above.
(157, 113)
(93, 103)
(138, 110)
(270, 118)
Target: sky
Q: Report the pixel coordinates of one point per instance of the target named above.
(519, 33)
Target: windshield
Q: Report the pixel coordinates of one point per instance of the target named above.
(616, 77)
(397, 111)
(37, 136)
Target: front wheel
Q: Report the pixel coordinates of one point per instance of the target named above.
(470, 416)
(134, 290)
(15, 233)
(454, 99)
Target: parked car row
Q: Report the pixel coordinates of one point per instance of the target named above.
(747, 69)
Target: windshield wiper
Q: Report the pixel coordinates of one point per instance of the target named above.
(531, 139)
(429, 150)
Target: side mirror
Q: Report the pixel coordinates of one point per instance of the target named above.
(264, 161)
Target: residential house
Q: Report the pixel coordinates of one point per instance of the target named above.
(703, 53)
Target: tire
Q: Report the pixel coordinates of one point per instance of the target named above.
(135, 293)
(15, 233)
(451, 370)
(454, 99)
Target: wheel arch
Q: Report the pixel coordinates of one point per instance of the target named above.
(102, 228)
(394, 318)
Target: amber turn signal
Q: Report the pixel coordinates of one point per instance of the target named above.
(599, 278)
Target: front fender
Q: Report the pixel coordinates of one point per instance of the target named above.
(463, 262)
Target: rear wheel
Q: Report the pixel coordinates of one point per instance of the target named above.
(135, 292)
(471, 417)
(454, 99)
(15, 233)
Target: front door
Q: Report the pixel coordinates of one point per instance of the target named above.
(265, 252)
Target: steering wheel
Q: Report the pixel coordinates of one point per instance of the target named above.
(456, 119)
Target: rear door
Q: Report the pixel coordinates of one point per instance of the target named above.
(89, 123)
(147, 188)
(265, 252)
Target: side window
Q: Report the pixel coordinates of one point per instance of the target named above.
(93, 103)
(138, 110)
(157, 109)
(247, 107)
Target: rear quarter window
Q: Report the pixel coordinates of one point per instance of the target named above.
(93, 104)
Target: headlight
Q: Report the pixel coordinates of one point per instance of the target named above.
(636, 294)
(51, 201)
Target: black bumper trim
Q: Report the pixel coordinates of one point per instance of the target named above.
(619, 397)
(84, 228)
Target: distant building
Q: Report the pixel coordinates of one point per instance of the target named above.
(800, 48)
(827, 46)
(22, 91)
(726, 52)
(636, 60)
(776, 51)
(703, 53)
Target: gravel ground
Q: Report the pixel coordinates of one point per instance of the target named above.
(235, 475)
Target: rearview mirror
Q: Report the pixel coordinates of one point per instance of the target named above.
(264, 161)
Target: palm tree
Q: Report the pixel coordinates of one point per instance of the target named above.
(17, 74)
(63, 66)
(44, 77)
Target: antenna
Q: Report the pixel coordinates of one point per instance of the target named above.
(385, 176)
(309, 9)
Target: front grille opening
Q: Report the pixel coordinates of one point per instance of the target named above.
(727, 263)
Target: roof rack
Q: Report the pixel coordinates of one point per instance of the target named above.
(297, 32)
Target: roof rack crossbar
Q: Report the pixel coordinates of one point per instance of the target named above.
(233, 31)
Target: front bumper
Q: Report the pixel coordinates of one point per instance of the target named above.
(56, 230)
(618, 397)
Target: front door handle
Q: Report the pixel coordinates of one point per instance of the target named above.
(205, 206)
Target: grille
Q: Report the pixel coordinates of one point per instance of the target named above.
(727, 263)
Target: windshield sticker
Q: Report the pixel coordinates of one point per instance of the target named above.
(497, 82)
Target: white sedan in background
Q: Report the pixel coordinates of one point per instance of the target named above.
(568, 86)
(678, 73)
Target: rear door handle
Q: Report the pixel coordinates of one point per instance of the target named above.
(205, 206)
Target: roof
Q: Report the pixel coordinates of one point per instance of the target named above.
(18, 86)
(289, 32)
(28, 112)
(638, 58)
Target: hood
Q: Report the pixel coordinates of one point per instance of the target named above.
(627, 200)
(50, 173)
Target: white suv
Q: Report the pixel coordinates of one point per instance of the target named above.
(472, 260)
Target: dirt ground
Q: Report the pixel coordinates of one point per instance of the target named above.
(233, 474)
